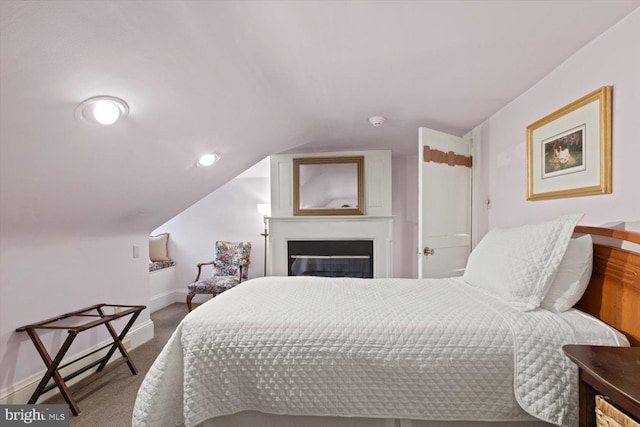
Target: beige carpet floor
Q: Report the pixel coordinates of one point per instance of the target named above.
(106, 399)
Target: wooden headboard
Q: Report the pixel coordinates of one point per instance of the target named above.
(613, 294)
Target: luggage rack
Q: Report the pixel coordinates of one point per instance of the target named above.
(75, 322)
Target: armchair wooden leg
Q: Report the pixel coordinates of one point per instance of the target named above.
(189, 298)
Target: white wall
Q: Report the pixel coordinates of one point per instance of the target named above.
(377, 181)
(229, 213)
(376, 223)
(405, 215)
(612, 59)
(42, 276)
(194, 231)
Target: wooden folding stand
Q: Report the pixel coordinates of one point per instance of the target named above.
(83, 319)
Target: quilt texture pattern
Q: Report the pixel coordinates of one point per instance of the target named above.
(390, 348)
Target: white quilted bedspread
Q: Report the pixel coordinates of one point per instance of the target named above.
(392, 348)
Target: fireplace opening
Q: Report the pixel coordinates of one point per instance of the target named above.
(331, 258)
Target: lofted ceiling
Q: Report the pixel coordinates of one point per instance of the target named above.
(246, 79)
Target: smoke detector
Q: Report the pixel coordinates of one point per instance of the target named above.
(376, 120)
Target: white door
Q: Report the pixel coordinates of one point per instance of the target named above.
(444, 204)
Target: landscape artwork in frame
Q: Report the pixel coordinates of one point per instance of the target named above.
(564, 153)
(569, 151)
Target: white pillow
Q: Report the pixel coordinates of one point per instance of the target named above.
(518, 264)
(158, 247)
(572, 277)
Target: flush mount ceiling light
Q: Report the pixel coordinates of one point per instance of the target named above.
(103, 110)
(208, 159)
(376, 120)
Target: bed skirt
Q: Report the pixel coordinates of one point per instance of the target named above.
(253, 418)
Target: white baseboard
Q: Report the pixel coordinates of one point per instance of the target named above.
(172, 296)
(164, 299)
(20, 392)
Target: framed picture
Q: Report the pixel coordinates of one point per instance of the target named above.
(569, 151)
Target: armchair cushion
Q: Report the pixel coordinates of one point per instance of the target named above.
(213, 285)
(159, 265)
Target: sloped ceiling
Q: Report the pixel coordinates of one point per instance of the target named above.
(246, 79)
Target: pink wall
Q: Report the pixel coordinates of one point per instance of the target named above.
(43, 276)
(612, 59)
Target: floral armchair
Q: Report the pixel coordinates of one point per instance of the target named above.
(230, 267)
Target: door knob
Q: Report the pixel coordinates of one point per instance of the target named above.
(428, 251)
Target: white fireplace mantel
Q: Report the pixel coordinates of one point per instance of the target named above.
(378, 229)
(376, 224)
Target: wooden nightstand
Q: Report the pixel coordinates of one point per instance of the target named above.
(610, 371)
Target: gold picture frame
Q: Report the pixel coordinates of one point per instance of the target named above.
(569, 151)
(328, 186)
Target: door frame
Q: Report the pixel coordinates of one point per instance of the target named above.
(474, 138)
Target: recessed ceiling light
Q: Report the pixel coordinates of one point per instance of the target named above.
(103, 110)
(208, 159)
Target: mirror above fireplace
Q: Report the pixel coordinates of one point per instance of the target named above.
(328, 186)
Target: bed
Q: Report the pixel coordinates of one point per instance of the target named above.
(397, 352)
